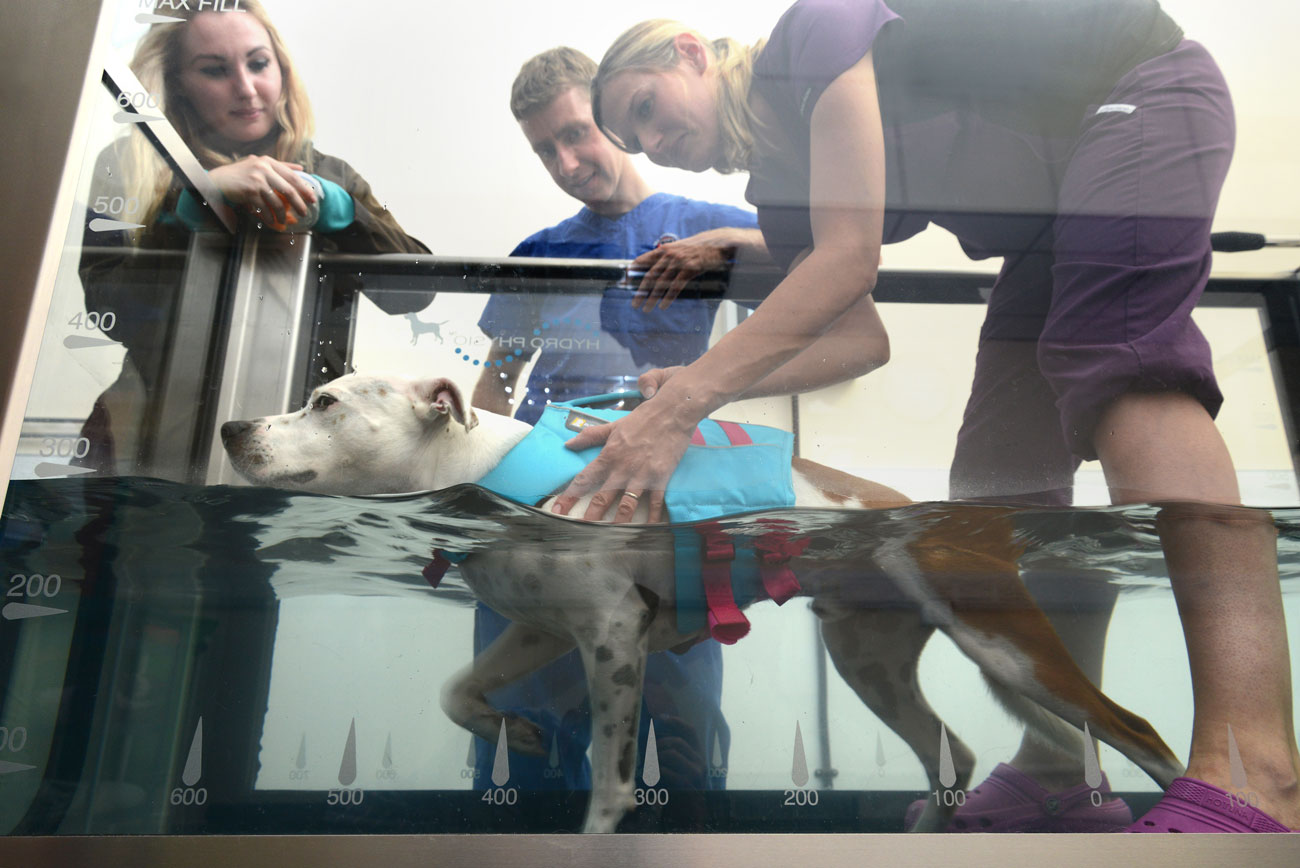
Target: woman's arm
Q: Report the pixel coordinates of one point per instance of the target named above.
(847, 198)
(854, 346)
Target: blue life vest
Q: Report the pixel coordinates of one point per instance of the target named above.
(727, 470)
(716, 477)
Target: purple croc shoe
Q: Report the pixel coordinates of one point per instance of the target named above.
(1190, 805)
(1011, 801)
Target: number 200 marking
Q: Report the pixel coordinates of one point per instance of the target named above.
(13, 739)
(34, 586)
(801, 797)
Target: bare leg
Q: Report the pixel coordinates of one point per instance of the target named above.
(1223, 570)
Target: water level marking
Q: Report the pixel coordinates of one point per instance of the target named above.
(48, 468)
(501, 763)
(146, 18)
(947, 772)
(880, 755)
(13, 768)
(1091, 766)
(194, 762)
(103, 224)
(133, 118)
(78, 342)
(348, 767)
(23, 611)
(387, 761)
(799, 768)
(1236, 769)
(299, 771)
(650, 768)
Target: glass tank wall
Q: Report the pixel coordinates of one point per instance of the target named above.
(200, 637)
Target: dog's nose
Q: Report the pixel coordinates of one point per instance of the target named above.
(232, 431)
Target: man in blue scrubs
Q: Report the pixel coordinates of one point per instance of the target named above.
(589, 345)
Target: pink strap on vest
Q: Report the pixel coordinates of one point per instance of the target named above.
(775, 549)
(736, 435)
(727, 623)
(436, 569)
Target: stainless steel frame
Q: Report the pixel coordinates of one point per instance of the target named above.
(268, 316)
(652, 851)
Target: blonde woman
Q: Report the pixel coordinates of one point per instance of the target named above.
(1086, 144)
(226, 83)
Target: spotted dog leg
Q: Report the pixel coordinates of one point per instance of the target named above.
(613, 650)
(876, 651)
(518, 651)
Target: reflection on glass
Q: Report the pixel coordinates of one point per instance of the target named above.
(187, 653)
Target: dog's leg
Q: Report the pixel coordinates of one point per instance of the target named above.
(613, 649)
(970, 585)
(518, 651)
(876, 651)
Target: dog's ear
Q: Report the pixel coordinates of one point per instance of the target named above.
(440, 395)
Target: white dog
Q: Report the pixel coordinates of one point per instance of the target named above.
(373, 435)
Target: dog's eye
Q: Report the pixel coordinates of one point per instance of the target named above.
(323, 401)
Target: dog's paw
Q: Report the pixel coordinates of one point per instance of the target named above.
(525, 737)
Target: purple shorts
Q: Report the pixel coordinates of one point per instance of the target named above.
(1104, 307)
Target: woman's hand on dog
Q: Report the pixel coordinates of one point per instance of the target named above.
(653, 380)
(640, 453)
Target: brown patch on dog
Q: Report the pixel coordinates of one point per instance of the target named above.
(843, 487)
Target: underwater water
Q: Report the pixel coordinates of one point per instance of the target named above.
(231, 658)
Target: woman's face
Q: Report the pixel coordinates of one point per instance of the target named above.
(231, 76)
(671, 115)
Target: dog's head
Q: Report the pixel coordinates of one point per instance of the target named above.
(359, 434)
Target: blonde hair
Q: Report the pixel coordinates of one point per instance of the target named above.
(650, 47)
(157, 63)
(549, 75)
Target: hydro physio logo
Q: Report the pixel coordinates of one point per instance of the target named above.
(565, 334)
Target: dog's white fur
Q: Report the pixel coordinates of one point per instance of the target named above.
(378, 434)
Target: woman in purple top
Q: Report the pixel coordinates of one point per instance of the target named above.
(1086, 144)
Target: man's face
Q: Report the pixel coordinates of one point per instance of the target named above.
(584, 163)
